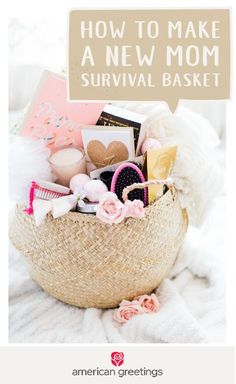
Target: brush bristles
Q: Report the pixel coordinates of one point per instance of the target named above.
(46, 194)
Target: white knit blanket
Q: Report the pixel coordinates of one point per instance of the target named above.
(192, 301)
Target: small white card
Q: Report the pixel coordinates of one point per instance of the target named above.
(108, 145)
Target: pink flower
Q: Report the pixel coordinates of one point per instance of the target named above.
(117, 358)
(127, 310)
(110, 209)
(135, 209)
(149, 303)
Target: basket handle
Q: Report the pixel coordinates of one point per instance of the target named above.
(129, 188)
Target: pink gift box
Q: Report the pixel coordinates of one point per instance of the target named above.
(53, 118)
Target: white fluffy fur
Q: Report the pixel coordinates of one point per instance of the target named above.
(27, 162)
(197, 175)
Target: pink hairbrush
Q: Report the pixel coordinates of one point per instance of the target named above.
(127, 174)
(44, 190)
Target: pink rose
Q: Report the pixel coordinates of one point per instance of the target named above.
(135, 209)
(149, 303)
(117, 358)
(127, 310)
(110, 209)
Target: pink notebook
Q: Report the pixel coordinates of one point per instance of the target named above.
(52, 118)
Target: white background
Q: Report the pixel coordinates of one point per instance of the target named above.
(55, 10)
(198, 364)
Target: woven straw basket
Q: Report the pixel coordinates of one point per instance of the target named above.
(84, 262)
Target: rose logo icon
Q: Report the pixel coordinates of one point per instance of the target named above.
(117, 358)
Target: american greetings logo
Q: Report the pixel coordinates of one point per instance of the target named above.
(117, 358)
